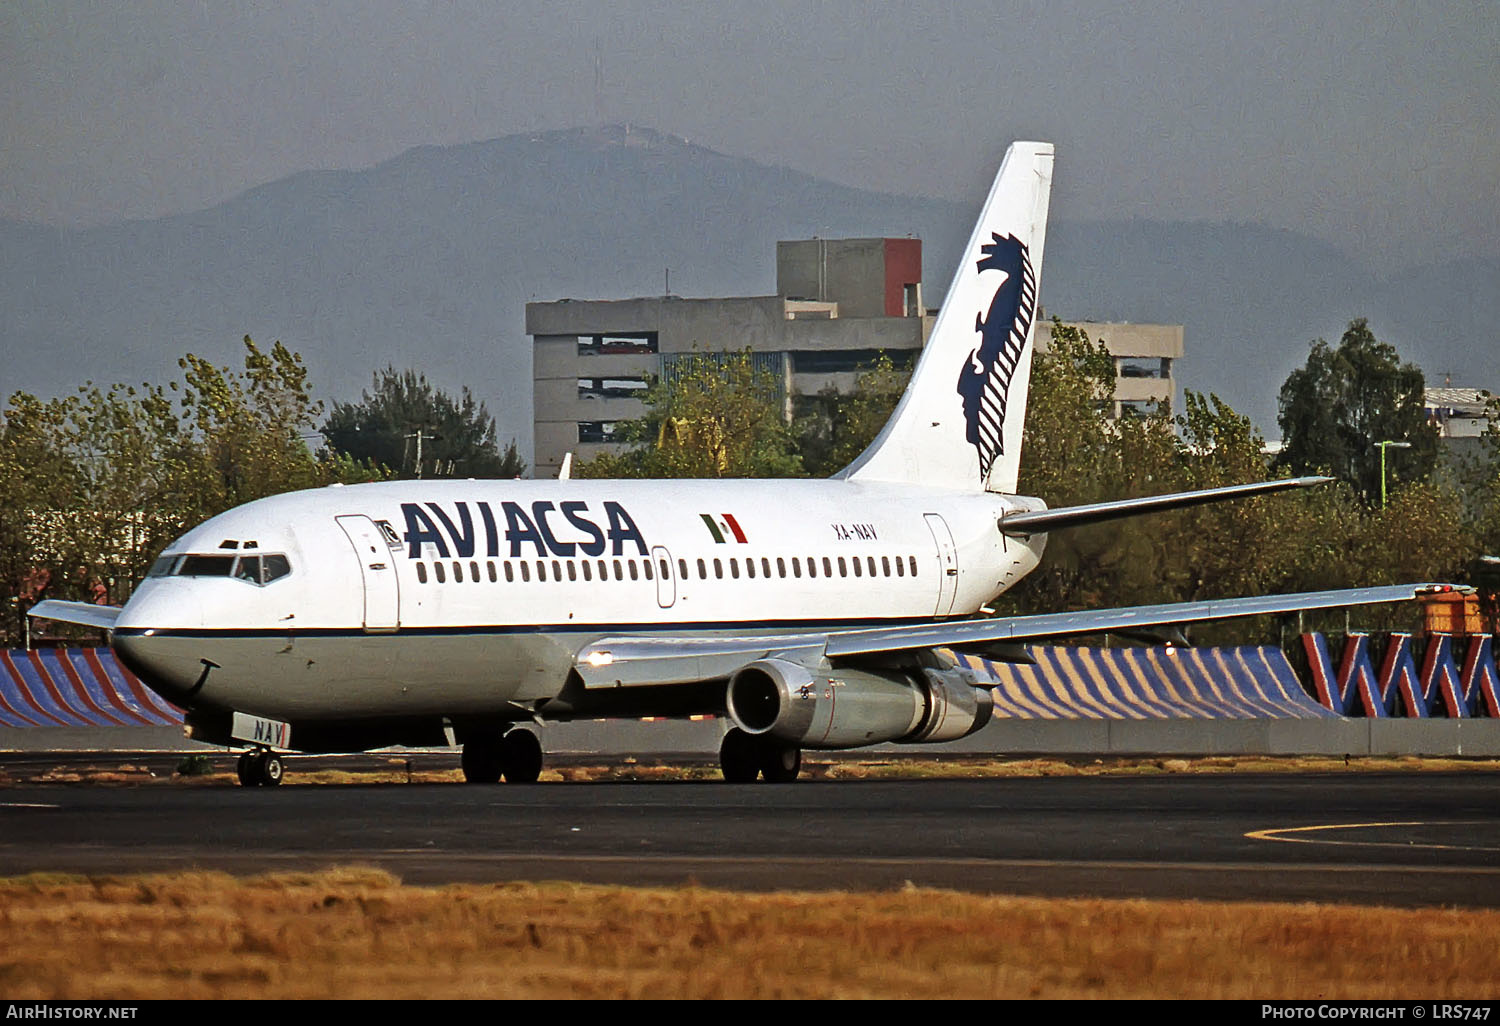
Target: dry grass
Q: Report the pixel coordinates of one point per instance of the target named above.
(360, 933)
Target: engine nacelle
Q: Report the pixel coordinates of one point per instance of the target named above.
(848, 708)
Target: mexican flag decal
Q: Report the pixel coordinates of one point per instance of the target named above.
(723, 528)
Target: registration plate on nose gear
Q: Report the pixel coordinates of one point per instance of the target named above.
(271, 733)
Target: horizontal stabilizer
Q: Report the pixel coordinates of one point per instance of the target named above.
(1044, 520)
(84, 613)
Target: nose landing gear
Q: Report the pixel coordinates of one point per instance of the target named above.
(259, 768)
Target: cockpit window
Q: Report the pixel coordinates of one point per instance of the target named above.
(262, 569)
(256, 569)
(206, 566)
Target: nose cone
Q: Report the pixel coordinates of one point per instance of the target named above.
(157, 637)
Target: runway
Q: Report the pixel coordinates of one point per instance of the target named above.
(1407, 839)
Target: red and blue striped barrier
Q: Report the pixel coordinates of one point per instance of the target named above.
(76, 687)
(1439, 690)
(1160, 682)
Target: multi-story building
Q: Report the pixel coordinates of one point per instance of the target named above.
(839, 304)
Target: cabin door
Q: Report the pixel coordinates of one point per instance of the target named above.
(947, 557)
(382, 593)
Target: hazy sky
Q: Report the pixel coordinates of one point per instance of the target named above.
(1372, 125)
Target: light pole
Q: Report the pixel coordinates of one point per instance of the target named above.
(1383, 447)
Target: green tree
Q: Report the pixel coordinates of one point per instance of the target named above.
(833, 428)
(94, 485)
(713, 416)
(1334, 410)
(405, 415)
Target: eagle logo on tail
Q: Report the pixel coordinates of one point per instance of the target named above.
(985, 379)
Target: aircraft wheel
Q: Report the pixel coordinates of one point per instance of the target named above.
(244, 769)
(780, 764)
(522, 756)
(483, 759)
(269, 769)
(737, 757)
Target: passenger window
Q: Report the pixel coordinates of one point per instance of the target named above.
(872, 565)
(765, 565)
(913, 565)
(796, 567)
(541, 570)
(633, 575)
(525, 572)
(573, 571)
(490, 565)
(750, 567)
(780, 567)
(510, 573)
(682, 569)
(421, 573)
(619, 571)
(855, 561)
(900, 567)
(827, 567)
(442, 577)
(885, 566)
(556, 571)
(646, 568)
(603, 570)
(718, 569)
(666, 569)
(588, 570)
(702, 571)
(734, 568)
(474, 571)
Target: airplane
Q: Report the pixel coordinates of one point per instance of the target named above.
(811, 614)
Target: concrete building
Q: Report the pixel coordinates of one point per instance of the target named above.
(1145, 361)
(839, 304)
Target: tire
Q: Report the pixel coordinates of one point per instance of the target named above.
(271, 769)
(737, 757)
(482, 759)
(244, 768)
(780, 764)
(522, 757)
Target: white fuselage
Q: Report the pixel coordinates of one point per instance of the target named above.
(473, 597)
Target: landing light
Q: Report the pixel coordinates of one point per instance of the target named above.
(599, 658)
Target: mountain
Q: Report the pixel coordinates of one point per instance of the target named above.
(427, 260)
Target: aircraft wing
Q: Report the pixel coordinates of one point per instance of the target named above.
(84, 613)
(627, 661)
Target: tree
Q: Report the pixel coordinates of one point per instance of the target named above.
(417, 430)
(713, 416)
(95, 484)
(1336, 408)
(833, 428)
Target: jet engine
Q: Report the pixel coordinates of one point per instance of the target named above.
(847, 708)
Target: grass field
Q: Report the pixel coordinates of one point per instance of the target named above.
(359, 933)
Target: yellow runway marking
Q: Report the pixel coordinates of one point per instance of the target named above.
(1278, 834)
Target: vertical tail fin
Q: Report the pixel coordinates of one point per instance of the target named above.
(959, 423)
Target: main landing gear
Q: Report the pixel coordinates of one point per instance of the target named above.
(743, 757)
(260, 768)
(515, 755)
